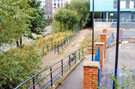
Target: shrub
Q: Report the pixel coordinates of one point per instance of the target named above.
(65, 20)
(18, 65)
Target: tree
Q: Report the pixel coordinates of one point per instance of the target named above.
(18, 19)
(82, 8)
(14, 20)
(17, 65)
(38, 23)
(66, 20)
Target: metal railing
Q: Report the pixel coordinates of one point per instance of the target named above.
(97, 59)
(110, 40)
(49, 76)
(115, 20)
(126, 80)
(57, 46)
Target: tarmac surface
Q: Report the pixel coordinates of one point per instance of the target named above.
(126, 58)
(75, 79)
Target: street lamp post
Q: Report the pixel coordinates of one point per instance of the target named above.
(93, 32)
(117, 42)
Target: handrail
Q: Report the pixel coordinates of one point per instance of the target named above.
(75, 57)
(110, 40)
(114, 20)
(55, 46)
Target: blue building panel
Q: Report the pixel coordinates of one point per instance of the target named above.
(106, 6)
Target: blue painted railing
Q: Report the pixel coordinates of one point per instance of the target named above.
(97, 58)
(97, 55)
(110, 40)
(125, 79)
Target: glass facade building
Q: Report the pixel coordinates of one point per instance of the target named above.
(108, 8)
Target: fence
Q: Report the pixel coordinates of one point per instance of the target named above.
(115, 20)
(125, 79)
(49, 76)
(110, 40)
(58, 45)
(97, 58)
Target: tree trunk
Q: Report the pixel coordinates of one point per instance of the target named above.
(17, 43)
(21, 41)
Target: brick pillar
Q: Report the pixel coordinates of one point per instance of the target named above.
(101, 45)
(103, 38)
(90, 75)
(105, 31)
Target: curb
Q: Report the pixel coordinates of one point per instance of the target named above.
(61, 79)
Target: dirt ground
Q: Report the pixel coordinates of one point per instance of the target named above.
(52, 57)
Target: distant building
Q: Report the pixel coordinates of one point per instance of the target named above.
(58, 4)
(48, 9)
(42, 4)
(108, 9)
(51, 6)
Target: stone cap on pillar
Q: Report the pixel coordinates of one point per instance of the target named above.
(91, 64)
(104, 30)
(102, 33)
(99, 43)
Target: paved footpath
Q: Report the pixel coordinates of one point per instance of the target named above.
(75, 79)
(126, 56)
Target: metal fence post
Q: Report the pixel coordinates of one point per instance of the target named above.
(43, 50)
(69, 61)
(82, 51)
(33, 80)
(62, 67)
(61, 45)
(51, 76)
(68, 40)
(79, 54)
(64, 42)
(75, 56)
(55, 47)
(58, 47)
(47, 48)
(52, 45)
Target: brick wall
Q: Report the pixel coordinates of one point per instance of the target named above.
(90, 75)
(103, 38)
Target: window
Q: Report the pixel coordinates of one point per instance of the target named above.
(58, 5)
(134, 4)
(131, 4)
(54, 4)
(122, 4)
(115, 3)
(61, 4)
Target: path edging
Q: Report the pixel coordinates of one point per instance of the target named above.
(61, 79)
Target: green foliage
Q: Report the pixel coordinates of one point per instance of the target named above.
(19, 18)
(128, 81)
(38, 23)
(66, 20)
(82, 8)
(18, 65)
(14, 20)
